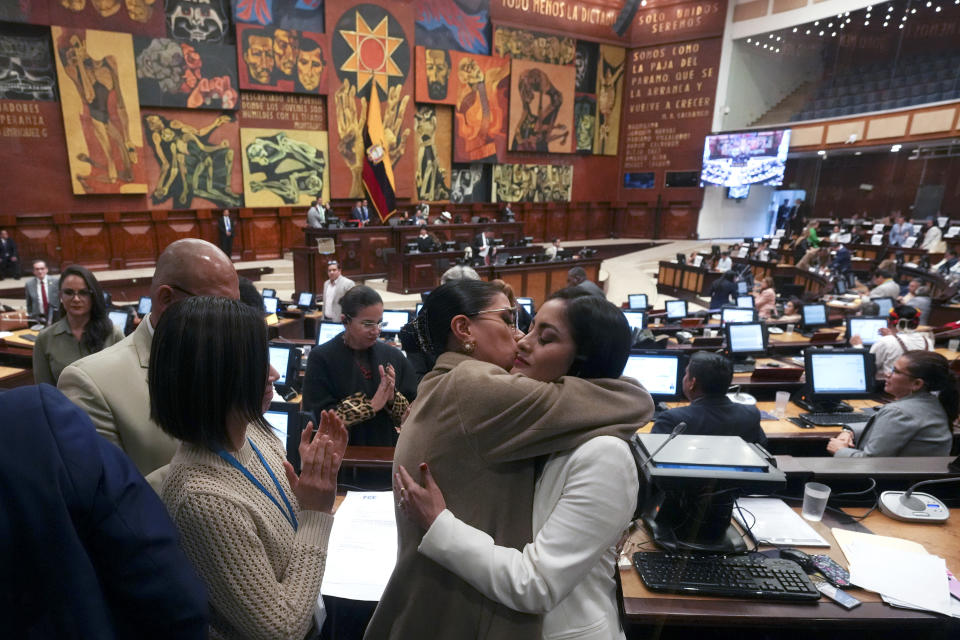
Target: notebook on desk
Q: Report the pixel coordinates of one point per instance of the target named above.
(822, 337)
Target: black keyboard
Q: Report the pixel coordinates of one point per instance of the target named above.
(747, 367)
(746, 576)
(831, 419)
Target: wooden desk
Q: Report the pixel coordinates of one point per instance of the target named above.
(17, 339)
(368, 458)
(539, 280)
(646, 607)
(11, 377)
(685, 280)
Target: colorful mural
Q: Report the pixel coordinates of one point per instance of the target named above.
(200, 21)
(140, 17)
(469, 183)
(532, 183)
(460, 25)
(304, 15)
(433, 126)
(521, 44)
(282, 168)
(610, 66)
(27, 70)
(181, 74)
(279, 59)
(541, 108)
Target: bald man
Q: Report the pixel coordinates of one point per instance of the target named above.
(111, 386)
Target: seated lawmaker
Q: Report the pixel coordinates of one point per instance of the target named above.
(765, 298)
(791, 311)
(900, 337)
(711, 412)
(425, 242)
(918, 422)
(722, 290)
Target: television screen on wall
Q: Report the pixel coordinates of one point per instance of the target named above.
(738, 159)
(738, 193)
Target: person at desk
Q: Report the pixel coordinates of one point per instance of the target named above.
(334, 289)
(791, 311)
(723, 290)
(899, 232)
(425, 242)
(725, 263)
(917, 422)
(932, 237)
(445, 217)
(577, 277)
(900, 337)
(812, 238)
(368, 383)
(84, 326)
(316, 215)
(883, 286)
(711, 412)
(553, 250)
(583, 499)
(9, 256)
(483, 246)
(950, 262)
(841, 259)
(42, 294)
(360, 212)
(814, 259)
(764, 298)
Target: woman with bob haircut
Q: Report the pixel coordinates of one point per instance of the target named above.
(480, 429)
(83, 328)
(368, 383)
(255, 531)
(917, 423)
(584, 497)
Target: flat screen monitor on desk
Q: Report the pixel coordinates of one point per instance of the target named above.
(676, 309)
(745, 302)
(286, 422)
(120, 318)
(636, 319)
(269, 305)
(526, 303)
(144, 306)
(269, 293)
(691, 484)
(737, 314)
(306, 300)
(742, 287)
(885, 305)
(285, 358)
(637, 301)
(328, 330)
(659, 371)
(814, 316)
(835, 374)
(746, 338)
(393, 321)
(867, 328)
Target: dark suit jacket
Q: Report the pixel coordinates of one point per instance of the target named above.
(360, 213)
(8, 249)
(722, 292)
(222, 228)
(87, 549)
(841, 261)
(714, 416)
(34, 300)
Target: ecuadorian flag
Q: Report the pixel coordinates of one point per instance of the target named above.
(377, 170)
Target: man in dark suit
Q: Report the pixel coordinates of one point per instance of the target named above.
(711, 412)
(360, 212)
(425, 242)
(226, 229)
(43, 296)
(483, 246)
(9, 257)
(841, 259)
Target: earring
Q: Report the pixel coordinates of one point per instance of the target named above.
(469, 347)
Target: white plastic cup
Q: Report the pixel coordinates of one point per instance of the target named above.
(790, 328)
(954, 345)
(815, 496)
(708, 333)
(783, 397)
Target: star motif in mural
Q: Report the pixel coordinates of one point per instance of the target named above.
(371, 53)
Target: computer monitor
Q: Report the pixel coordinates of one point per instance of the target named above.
(746, 338)
(676, 309)
(285, 358)
(328, 330)
(306, 300)
(886, 304)
(737, 314)
(144, 306)
(393, 321)
(659, 371)
(270, 304)
(690, 485)
(120, 318)
(287, 423)
(681, 258)
(745, 302)
(107, 298)
(742, 287)
(526, 303)
(637, 301)
(412, 247)
(835, 374)
(814, 315)
(867, 328)
(636, 319)
(268, 293)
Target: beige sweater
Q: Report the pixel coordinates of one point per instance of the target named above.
(263, 577)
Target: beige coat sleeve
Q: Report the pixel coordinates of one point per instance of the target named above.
(512, 417)
(84, 392)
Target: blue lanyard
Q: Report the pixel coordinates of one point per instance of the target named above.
(288, 512)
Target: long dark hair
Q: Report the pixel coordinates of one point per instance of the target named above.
(600, 332)
(457, 297)
(934, 370)
(98, 327)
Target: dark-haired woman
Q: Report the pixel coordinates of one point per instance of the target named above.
(584, 498)
(255, 531)
(480, 430)
(918, 422)
(83, 328)
(368, 383)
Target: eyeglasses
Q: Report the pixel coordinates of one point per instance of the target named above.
(904, 373)
(510, 321)
(370, 324)
(78, 293)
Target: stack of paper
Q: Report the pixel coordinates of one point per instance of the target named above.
(907, 576)
(771, 521)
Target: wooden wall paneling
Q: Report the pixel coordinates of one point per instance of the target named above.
(637, 221)
(37, 237)
(424, 275)
(577, 224)
(170, 226)
(133, 242)
(557, 221)
(597, 220)
(537, 287)
(260, 235)
(292, 224)
(349, 252)
(679, 220)
(517, 281)
(86, 242)
(374, 260)
(535, 223)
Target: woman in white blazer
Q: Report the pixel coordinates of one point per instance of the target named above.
(584, 497)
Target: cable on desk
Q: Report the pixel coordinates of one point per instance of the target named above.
(748, 527)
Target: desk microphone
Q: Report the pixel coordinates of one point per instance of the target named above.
(920, 507)
(677, 430)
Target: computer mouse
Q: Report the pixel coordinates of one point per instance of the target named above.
(801, 558)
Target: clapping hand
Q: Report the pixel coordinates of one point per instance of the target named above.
(385, 391)
(316, 486)
(421, 504)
